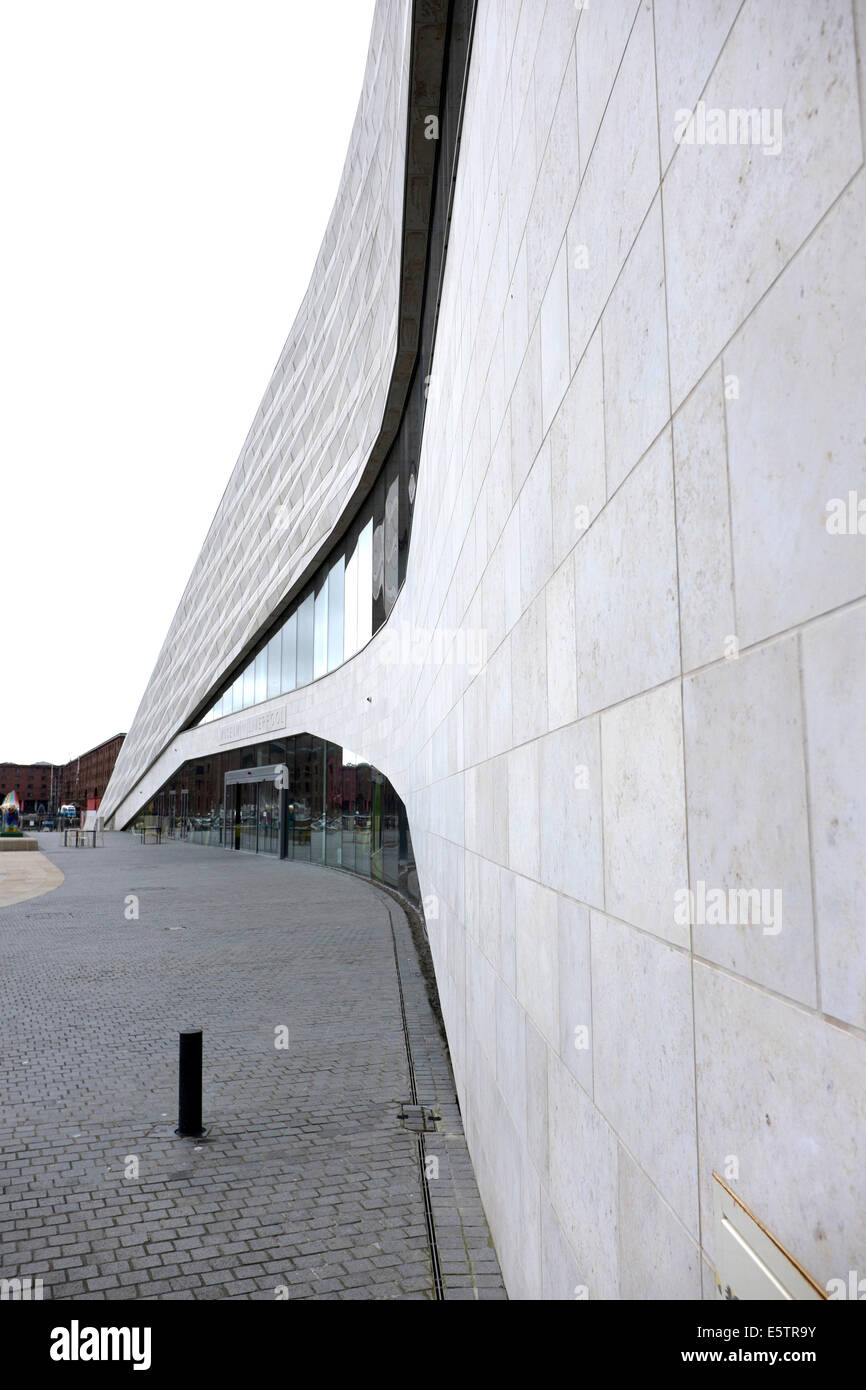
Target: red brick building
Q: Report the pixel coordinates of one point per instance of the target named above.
(80, 782)
(34, 784)
(83, 780)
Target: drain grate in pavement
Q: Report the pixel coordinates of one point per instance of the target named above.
(421, 1119)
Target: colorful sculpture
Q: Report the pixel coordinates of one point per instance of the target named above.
(10, 815)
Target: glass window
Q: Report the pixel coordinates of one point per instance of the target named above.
(268, 808)
(320, 642)
(289, 759)
(362, 788)
(390, 835)
(350, 615)
(275, 753)
(392, 538)
(376, 781)
(315, 790)
(274, 650)
(261, 676)
(305, 640)
(236, 696)
(249, 686)
(410, 435)
(333, 804)
(248, 816)
(340, 810)
(290, 640)
(335, 613)
(379, 554)
(348, 785)
(408, 871)
(365, 584)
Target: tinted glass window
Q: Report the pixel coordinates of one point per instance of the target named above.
(300, 807)
(361, 787)
(365, 584)
(379, 554)
(317, 800)
(290, 640)
(392, 538)
(335, 614)
(305, 640)
(261, 677)
(334, 805)
(390, 835)
(249, 686)
(348, 784)
(339, 810)
(320, 643)
(274, 650)
(376, 809)
(350, 613)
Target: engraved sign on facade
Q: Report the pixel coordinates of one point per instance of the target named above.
(263, 723)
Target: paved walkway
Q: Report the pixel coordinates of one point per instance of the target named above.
(308, 1184)
(26, 875)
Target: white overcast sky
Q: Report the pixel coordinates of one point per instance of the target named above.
(166, 175)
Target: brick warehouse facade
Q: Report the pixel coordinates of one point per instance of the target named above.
(47, 786)
(83, 780)
(35, 784)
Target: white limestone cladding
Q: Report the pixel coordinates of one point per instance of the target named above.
(647, 392)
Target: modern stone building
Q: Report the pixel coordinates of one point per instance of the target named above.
(538, 591)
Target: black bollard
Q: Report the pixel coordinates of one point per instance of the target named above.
(189, 1085)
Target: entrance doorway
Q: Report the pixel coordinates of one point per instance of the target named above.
(268, 819)
(247, 818)
(256, 810)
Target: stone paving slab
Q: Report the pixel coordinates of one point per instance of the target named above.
(307, 1184)
(24, 876)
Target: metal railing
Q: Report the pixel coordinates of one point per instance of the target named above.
(83, 839)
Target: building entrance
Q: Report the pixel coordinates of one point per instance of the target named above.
(255, 805)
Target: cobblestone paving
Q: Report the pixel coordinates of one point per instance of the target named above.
(307, 1185)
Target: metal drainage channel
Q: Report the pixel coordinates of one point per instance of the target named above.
(420, 1119)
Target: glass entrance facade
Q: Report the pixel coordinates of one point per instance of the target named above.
(248, 818)
(340, 810)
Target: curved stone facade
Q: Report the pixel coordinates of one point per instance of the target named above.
(625, 670)
(316, 426)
